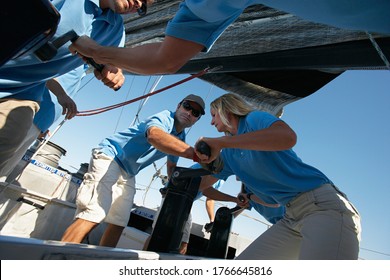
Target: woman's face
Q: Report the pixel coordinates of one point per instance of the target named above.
(216, 121)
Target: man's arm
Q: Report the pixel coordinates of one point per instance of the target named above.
(210, 208)
(170, 167)
(168, 143)
(69, 107)
(206, 187)
(155, 58)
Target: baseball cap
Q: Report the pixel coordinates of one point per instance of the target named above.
(196, 99)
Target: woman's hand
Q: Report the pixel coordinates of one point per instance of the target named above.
(215, 150)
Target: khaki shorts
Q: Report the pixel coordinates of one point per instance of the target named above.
(107, 192)
(16, 118)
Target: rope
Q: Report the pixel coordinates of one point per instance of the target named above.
(108, 108)
(379, 50)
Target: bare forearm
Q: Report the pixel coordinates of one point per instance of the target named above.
(278, 137)
(210, 208)
(217, 195)
(140, 60)
(55, 88)
(169, 144)
(155, 58)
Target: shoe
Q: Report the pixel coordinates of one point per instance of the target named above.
(208, 227)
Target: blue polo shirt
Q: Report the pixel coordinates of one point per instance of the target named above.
(50, 110)
(25, 77)
(279, 175)
(203, 21)
(130, 147)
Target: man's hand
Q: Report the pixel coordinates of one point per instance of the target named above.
(246, 197)
(111, 76)
(215, 166)
(69, 107)
(202, 155)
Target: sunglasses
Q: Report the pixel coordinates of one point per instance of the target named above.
(143, 9)
(187, 106)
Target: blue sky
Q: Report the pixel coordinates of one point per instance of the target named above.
(342, 130)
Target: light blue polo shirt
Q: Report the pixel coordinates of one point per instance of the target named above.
(50, 110)
(203, 21)
(130, 147)
(25, 77)
(280, 175)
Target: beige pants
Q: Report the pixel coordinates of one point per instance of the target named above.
(16, 117)
(318, 225)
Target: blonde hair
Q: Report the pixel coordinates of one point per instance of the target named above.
(230, 103)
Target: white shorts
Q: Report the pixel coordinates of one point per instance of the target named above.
(107, 192)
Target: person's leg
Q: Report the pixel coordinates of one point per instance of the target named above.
(186, 235)
(118, 217)
(31, 136)
(332, 230)
(94, 196)
(77, 231)
(279, 242)
(111, 235)
(16, 117)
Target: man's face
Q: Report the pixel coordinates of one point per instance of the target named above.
(126, 6)
(187, 113)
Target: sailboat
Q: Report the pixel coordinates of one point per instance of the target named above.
(270, 57)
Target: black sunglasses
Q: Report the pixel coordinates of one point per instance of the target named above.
(143, 9)
(187, 106)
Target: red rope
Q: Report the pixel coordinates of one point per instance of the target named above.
(111, 107)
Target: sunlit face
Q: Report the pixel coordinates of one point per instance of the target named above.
(185, 116)
(216, 121)
(126, 6)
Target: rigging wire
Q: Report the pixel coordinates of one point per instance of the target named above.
(154, 177)
(379, 50)
(136, 119)
(377, 252)
(127, 95)
(86, 83)
(143, 102)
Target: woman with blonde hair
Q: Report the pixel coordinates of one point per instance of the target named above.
(319, 222)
